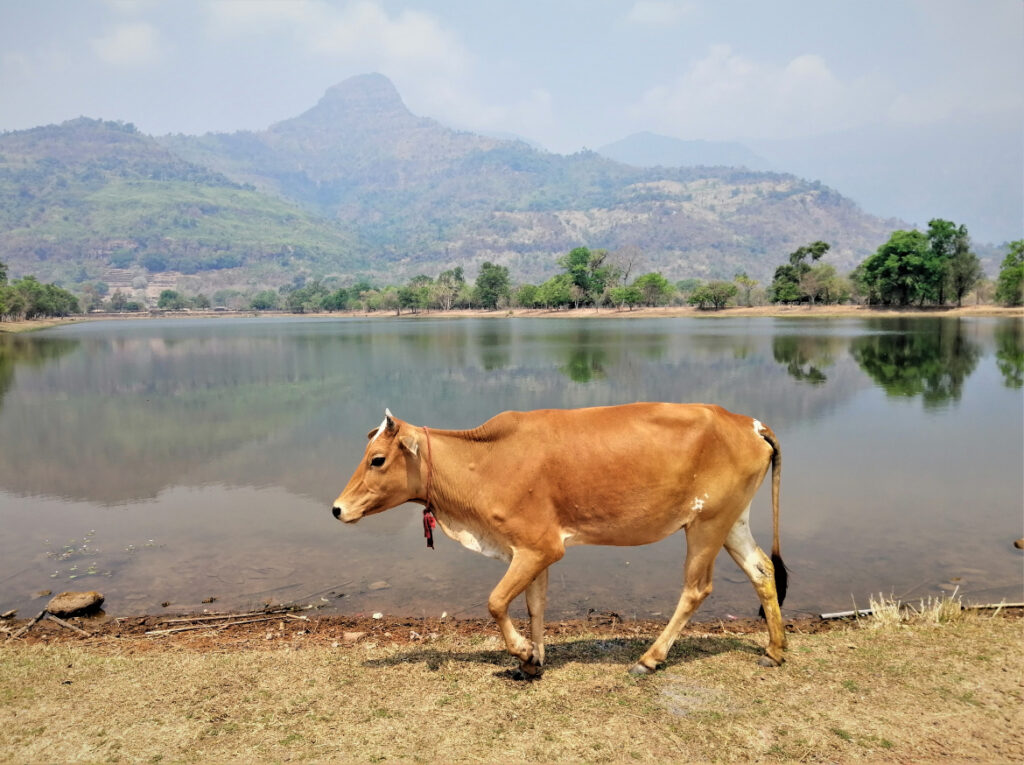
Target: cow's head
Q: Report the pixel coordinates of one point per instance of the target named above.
(388, 475)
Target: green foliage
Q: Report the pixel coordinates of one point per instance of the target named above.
(267, 300)
(654, 288)
(590, 273)
(492, 285)
(1010, 284)
(28, 298)
(716, 294)
(171, 300)
(626, 296)
(788, 284)
(900, 272)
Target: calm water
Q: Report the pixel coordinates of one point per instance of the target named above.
(169, 461)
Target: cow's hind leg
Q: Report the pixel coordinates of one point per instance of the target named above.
(702, 545)
(536, 602)
(524, 570)
(758, 567)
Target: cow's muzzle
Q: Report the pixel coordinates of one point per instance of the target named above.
(340, 513)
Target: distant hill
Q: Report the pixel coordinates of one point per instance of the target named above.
(652, 150)
(85, 197)
(359, 186)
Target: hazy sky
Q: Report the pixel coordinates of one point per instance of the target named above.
(565, 74)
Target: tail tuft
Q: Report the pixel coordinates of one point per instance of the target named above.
(781, 580)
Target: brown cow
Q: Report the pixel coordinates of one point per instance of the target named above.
(524, 485)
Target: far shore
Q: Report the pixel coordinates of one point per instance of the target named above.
(664, 312)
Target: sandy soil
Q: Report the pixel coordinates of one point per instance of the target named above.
(790, 312)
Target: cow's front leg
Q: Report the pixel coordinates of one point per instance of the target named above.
(526, 566)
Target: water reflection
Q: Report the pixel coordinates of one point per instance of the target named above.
(921, 357)
(226, 440)
(1010, 353)
(805, 356)
(33, 352)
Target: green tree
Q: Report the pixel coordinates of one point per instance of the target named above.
(492, 285)
(590, 271)
(1010, 284)
(3, 273)
(654, 288)
(715, 294)
(786, 284)
(626, 296)
(964, 269)
(900, 271)
(526, 296)
(171, 299)
(555, 292)
(267, 300)
(746, 284)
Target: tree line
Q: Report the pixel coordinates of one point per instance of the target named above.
(934, 267)
(28, 298)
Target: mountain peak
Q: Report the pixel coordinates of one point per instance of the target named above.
(361, 95)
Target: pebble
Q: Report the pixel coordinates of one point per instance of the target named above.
(378, 615)
(381, 585)
(352, 637)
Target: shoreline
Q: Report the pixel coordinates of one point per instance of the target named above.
(663, 312)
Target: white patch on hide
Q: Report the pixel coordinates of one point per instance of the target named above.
(758, 427)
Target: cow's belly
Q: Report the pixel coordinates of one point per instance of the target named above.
(634, 526)
(475, 539)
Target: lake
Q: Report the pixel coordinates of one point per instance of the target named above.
(173, 461)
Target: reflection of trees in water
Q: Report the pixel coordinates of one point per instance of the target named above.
(927, 358)
(806, 355)
(15, 350)
(585, 364)
(1010, 352)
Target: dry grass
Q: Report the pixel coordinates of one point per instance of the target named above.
(917, 688)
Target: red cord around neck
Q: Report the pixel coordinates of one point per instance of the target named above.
(428, 517)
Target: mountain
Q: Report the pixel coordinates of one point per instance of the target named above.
(359, 186)
(652, 150)
(88, 197)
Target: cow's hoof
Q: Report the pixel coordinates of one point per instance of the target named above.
(530, 670)
(768, 661)
(640, 670)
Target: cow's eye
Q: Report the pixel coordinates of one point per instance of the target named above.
(377, 461)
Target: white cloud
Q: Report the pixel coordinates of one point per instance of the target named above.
(659, 12)
(131, 43)
(361, 32)
(728, 95)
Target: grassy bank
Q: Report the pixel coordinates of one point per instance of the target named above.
(879, 690)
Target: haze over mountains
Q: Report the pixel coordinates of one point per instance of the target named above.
(359, 186)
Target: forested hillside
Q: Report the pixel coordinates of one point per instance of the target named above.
(358, 187)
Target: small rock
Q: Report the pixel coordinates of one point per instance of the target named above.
(43, 594)
(381, 585)
(1019, 544)
(352, 637)
(9, 614)
(72, 603)
(378, 615)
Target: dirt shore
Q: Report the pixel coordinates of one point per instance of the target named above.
(667, 312)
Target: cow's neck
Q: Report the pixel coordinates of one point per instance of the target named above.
(449, 455)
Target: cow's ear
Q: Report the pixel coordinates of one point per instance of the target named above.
(411, 444)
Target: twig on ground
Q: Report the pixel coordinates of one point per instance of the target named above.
(63, 623)
(28, 626)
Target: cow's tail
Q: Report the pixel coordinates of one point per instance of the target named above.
(781, 573)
